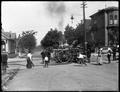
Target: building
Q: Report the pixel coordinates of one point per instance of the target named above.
(106, 21)
(8, 41)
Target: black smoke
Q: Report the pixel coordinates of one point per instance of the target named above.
(57, 10)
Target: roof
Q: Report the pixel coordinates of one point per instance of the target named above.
(8, 35)
(4, 36)
(106, 9)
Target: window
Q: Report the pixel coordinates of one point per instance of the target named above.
(111, 17)
(110, 21)
(115, 17)
(115, 21)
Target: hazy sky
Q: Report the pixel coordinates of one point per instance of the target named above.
(18, 16)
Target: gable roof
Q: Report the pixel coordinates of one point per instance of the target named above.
(8, 35)
(105, 9)
(4, 36)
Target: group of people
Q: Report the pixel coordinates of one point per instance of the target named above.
(46, 55)
(83, 58)
(45, 58)
(109, 54)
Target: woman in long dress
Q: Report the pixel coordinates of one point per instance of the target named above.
(29, 60)
(99, 57)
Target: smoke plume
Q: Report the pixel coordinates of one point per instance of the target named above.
(57, 10)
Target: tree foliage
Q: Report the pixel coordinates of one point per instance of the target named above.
(27, 40)
(69, 34)
(52, 39)
(74, 35)
(79, 33)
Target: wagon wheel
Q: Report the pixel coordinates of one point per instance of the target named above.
(79, 61)
(56, 57)
(64, 56)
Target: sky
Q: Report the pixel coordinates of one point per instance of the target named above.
(41, 16)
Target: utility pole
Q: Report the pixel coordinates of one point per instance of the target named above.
(83, 6)
(106, 31)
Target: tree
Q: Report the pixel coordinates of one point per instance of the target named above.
(52, 39)
(79, 33)
(74, 35)
(69, 34)
(27, 41)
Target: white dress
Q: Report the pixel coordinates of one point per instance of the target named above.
(81, 56)
(99, 60)
(29, 55)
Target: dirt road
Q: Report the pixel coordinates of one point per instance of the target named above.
(68, 77)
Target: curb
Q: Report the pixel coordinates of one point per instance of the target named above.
(8, 78)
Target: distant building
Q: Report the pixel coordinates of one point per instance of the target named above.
(8, 41)
(107, 21)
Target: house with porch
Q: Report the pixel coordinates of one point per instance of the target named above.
(8, 41)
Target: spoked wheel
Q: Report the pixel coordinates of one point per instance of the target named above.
(64, 57)
(80, 61)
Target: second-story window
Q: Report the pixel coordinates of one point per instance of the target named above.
(115, 19)
(111, 19)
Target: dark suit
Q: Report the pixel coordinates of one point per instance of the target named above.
(4, 60)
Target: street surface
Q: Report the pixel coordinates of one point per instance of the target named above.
(64, 77)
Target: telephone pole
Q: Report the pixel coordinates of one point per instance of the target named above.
(83, 6)
(106, 31)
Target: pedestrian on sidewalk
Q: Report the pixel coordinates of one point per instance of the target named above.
(47, 57)
(114, 53)
(99, 57)
(109, 55)
(29, 60)
(43, 56)
(88, 55)
(46, 61)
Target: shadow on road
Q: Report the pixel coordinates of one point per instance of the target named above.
(80, 65)
(15, 61)
(17, 64)
(105, 63)
(95, 64)
(59, 64)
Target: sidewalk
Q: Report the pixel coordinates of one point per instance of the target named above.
(14, 65)
(13, 68)
(16, 59)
